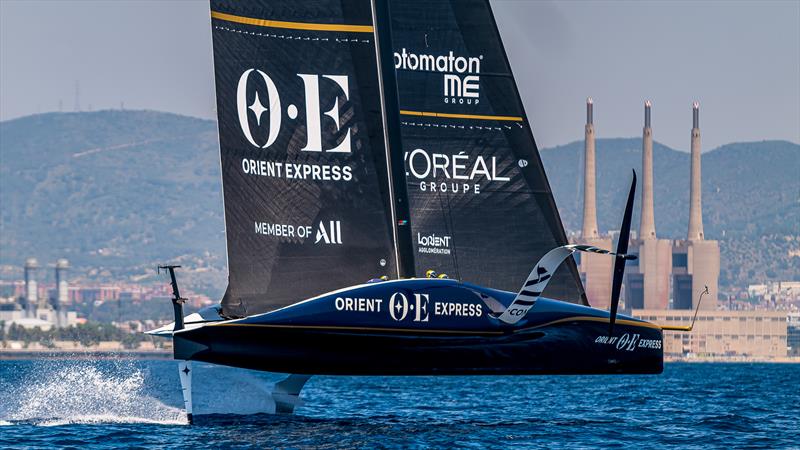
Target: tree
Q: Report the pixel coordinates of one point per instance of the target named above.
(131, 341)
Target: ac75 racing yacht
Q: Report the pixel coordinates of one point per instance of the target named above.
(386, 208)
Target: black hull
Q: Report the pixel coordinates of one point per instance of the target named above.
(563, 348)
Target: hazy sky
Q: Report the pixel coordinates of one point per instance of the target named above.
(740, 59)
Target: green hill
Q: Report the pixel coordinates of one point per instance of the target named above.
(751, 199)
(115, 192)
(118, 191)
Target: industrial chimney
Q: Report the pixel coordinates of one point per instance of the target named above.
(647, 226)
(695, 205)
(31, 288)
(62, 287)
(589, 201)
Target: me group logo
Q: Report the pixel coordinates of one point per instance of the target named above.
(461, 75)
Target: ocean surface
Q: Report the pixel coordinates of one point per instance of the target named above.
(136, 403)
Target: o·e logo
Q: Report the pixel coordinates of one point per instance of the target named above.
(271, 102)
(258, 108)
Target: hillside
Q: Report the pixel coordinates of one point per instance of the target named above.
(751, 199)
(115, 192)
(118, 191)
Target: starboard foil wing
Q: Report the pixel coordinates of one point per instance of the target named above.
(481, 206)
(542, 275)
(302, 148)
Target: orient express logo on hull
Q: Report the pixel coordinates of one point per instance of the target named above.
(461, 75)
(441, 172)
(628, 342)
(324, 232)
(261, 118)
(419, 308)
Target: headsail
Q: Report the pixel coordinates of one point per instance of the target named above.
(302, 147)
(481, 206)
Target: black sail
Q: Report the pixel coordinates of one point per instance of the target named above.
(481, 206)
(305, 178)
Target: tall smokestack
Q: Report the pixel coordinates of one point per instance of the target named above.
(589, 201)
(31, 288)
(62, 287)
(695, 205)
(647, 226)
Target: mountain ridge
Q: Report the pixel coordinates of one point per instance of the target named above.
(118, 191)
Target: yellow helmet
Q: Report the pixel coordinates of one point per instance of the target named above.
(430, 273)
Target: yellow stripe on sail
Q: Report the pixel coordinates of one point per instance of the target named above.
(291, 25)
(406, 112)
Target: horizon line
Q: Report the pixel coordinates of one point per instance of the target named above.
(552, 147)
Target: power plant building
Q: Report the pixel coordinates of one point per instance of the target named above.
(34, 311)
(665, 270)
(648, 278)
(596, 270)
(31, 286)
(695, 261)
(759, 334)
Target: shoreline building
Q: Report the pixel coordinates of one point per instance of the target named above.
(793, 334)
(31, 286)
(759, 334)
(595, 270)
(695, 261)
(35, 311)
(647, 280)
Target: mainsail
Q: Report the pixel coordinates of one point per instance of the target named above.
(351, 151)
(481, 206)
(303, 153)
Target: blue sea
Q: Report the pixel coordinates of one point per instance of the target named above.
(136, 403)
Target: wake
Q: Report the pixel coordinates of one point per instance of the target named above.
(84, 392)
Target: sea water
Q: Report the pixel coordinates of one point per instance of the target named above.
(137, 403)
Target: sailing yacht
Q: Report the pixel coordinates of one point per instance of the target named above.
(386, 208)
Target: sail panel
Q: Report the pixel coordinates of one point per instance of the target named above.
(481, 205)
(302, 150)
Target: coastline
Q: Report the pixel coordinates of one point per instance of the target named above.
(14, 350)
(85, 354)
(732, 359)
(74, 350)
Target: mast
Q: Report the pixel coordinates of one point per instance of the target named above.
(398, 193)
